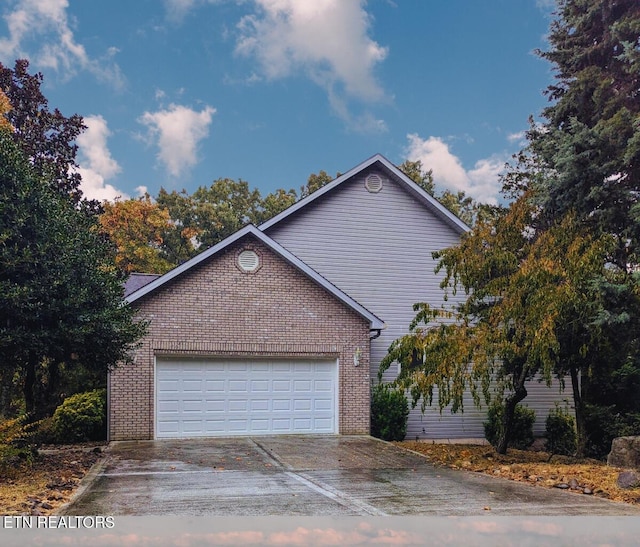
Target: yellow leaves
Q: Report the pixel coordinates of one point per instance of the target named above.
(136, 227)
(5, 108)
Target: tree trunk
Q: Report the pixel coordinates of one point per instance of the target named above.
(581, 426)
(29, 383)
(510, 404)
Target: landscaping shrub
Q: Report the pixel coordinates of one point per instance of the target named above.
(561, 432)
(605, 423)
(389, 413)
(522, 431)
(82, 417)
(16, 444)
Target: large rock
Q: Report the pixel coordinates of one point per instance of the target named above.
(629, 479)
(625, 452)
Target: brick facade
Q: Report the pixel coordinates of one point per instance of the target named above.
(215, 309)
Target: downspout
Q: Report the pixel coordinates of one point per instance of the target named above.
(376, 333)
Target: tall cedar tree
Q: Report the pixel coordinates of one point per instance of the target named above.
(585, 158)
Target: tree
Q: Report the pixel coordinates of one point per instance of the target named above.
(61, 307)
(590, 140)
(414, 170)
(464, 207)
(136, 227)
(179, 242)
(276, 202)
(522, 290)
(585, 157)
(48, 138)
(212, 213)
(551, 281)
(315, 182)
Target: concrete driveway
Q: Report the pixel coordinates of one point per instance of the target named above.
(306, 475)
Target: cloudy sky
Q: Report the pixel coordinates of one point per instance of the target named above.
(178, 93)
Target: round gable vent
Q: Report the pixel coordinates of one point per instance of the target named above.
(248, 261)
(373, 183)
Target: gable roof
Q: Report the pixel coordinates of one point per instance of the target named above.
(376, 322)
(393, 172)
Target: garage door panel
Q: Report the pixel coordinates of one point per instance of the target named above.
(215, 398)
(281, 404)
(322, 404)
(238, 405)
(302, 404)
(302, 386)
(238, 386)
(259, 405)
(282, 385)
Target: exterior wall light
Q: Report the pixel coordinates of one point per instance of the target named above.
(356, 357)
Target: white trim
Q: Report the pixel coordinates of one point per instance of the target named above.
(336, 401)
(376, 322)
(155, 397)
(426, 199)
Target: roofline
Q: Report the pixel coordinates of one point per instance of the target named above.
(426, 198)
(376, 322)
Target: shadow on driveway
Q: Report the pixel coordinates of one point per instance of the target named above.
(306, 476)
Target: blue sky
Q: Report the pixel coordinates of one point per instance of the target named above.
(178, 93)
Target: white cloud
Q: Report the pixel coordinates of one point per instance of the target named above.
(326, 39)
(177, 131)
(519, 137)
(96, 163)
(481, 183)
(43, 25)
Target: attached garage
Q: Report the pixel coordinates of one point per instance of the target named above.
(226, 397)
(244, 339)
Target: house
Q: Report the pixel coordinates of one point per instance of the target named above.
(281, 328)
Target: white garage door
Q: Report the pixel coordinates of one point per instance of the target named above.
(207, 398)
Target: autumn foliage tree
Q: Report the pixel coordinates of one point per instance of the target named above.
(523, 291)
(137, 227)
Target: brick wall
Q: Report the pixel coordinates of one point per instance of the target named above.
(215, 309)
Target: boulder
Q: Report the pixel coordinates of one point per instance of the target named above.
(628, 479)
(625, 452)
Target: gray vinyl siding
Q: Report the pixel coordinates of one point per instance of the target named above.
(377, 248)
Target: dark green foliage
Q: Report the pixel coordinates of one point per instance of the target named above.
(46, 137)
(82, 417)
(61, 308)
(522, 430)
(561, 432)
(389, 412)
(604, 424)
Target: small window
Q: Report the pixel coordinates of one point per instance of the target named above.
(373, 183)
(248, 260)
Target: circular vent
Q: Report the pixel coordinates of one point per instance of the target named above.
(248, 261)
(373, 183)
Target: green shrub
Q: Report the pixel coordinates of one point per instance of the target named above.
(561, 432)
(389, 413)
(81, 417)
(45, 432)
(605, 423)
(521, 432)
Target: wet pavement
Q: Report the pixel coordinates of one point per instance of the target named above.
(306, 476)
